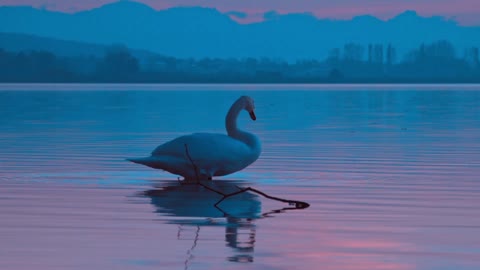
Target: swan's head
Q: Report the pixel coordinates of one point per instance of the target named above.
(249, 106)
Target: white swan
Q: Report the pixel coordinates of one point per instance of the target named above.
(213, 154)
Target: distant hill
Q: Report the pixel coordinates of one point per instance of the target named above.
(15, 42)
(204, 32)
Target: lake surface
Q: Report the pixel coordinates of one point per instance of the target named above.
(391, 175)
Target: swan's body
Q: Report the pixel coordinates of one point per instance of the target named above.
(213, 154)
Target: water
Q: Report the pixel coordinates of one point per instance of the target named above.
(391, 175)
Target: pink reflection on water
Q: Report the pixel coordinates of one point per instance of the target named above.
(347, 227)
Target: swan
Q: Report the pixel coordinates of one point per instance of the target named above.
(213, 154)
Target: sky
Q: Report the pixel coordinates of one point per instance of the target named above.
(466, 12)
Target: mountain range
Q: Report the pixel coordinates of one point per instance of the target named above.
(204, 32)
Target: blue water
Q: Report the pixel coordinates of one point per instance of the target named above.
(390, 172)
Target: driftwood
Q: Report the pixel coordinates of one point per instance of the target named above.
(295, 204)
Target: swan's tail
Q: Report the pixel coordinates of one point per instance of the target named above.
(151, 161)
(138, 160)
(174, 166)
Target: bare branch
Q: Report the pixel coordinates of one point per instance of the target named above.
(193, 164)
(196, 173)
(297, 204)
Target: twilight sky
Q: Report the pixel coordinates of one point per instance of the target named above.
(466, 12)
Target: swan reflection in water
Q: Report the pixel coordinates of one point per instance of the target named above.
(193, 205)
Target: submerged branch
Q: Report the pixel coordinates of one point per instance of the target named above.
(297, 204)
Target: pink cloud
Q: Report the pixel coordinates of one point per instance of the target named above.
(466, 12)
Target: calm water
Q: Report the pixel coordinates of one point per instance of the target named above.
(391, 175)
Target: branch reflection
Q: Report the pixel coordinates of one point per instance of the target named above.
(193, 205)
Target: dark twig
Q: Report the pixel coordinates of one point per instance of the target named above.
(297, 204)
(196, 173)
(193, 163)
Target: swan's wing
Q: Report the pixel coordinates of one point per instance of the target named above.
(203, 145)
(209, 151)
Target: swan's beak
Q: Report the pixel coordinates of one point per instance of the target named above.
(252, 115)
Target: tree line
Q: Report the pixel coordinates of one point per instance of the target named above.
(356, 63)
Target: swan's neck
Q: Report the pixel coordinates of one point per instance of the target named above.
(232, 129)
(231, 119)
